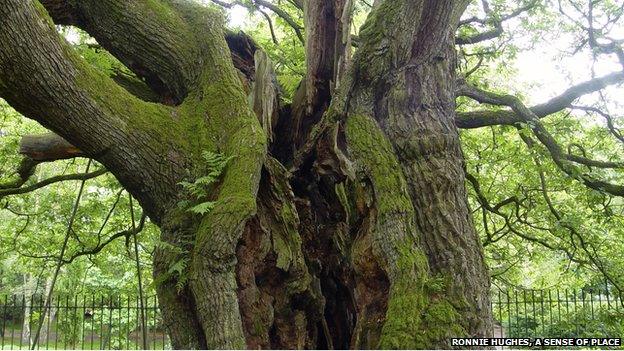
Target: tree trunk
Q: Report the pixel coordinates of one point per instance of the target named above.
(50, 313)
(28, 301)
(351, 231)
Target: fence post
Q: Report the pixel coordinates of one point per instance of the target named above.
(12, 328)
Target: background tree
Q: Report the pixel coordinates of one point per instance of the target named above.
(326, 214)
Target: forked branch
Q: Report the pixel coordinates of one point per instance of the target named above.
(494, 20)
(563, 160)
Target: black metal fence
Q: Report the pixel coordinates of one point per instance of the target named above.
(558, 313)
(101, 323)
(81, 322)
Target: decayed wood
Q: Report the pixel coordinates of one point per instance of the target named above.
(327, 38)
(328, 44)
(48, 147)
(264, 96)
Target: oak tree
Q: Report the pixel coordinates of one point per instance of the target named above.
(337, 220)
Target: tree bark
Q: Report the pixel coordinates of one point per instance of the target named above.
(415, 107)
(28, 300)
(353, 232)
(405, 86)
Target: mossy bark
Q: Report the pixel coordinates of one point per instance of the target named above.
(412, 82)
(352, 231)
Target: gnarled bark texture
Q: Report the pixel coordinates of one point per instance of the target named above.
(340, 221)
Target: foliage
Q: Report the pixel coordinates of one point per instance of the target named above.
(199, 190)
(179, 259)
(584, 323)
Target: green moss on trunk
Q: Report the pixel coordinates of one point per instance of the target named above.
(419, 313)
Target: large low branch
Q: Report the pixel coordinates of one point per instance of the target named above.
(49, 82)
(149, 37)
(478, 119)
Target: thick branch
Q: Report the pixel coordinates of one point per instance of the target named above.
(48, 147)
(561, 159)
(478, 119)
(47, 81)
(149, 37)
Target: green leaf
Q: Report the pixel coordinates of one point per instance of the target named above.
(184, 204)
(178, 267)
(202, 208)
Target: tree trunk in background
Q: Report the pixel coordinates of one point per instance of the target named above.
(341, 221)
(28, 296)
(51, 313)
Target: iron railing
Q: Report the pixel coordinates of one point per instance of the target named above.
(558, 313)
(114, 322)
(85, 322)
